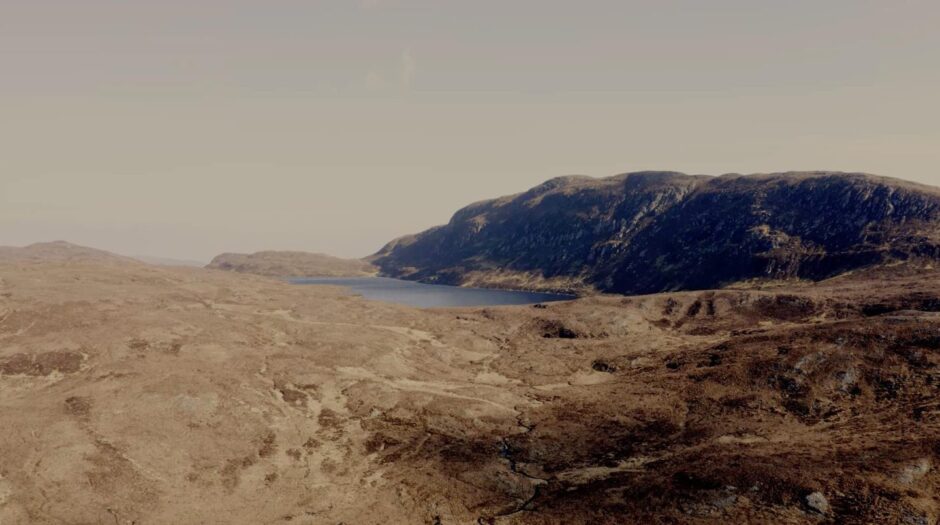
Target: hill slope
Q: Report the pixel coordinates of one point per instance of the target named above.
(650, 232)
(144, 394)
(291, 264)
(60, 251)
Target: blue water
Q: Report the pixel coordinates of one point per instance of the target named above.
(431, 295)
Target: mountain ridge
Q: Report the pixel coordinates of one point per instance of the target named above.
(656, 231)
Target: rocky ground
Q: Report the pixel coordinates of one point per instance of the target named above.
(138, 394)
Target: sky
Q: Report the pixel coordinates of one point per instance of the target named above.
(187, 128)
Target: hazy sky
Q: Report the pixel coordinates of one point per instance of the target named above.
(184, 128)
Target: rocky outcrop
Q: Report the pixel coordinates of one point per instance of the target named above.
(662, 231)
(292, 264)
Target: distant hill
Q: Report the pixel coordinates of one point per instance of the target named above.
(292, 264)
(59, 251)
(650, 232)
(166, 261)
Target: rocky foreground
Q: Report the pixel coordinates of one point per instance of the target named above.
(136, 394)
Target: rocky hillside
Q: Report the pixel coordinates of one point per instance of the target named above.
(650, 232)
(291, 264)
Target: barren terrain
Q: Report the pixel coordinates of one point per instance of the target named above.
(138, 394)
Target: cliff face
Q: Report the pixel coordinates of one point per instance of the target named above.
(291, 264)
(659, 231)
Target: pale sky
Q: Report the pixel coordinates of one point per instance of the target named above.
(185, 128)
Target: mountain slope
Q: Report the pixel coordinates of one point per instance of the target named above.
(291, 264)
(649, 232)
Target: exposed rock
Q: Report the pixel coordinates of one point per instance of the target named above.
(915, 471)
(817, 502)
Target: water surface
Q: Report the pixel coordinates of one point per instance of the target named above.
(431, 295)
